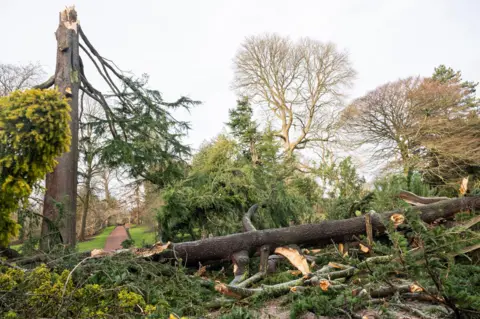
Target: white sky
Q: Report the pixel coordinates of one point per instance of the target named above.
(187, 47)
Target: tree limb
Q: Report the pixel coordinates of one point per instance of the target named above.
(45, 85)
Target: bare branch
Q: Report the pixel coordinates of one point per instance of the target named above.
(300, 83)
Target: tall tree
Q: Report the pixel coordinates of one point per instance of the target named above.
(452, 142)
(409, 119)
(141, 135)
(300, 83)
(385, 119)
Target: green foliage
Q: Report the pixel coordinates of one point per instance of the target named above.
(222, 184)
(343, 187)
(127, 243)
(111, 287)
(34, 130)
(443, 74)
(386, 190)
(434, 266)
(143, 136)
(322, 303)
(229, 175)
(244, 129)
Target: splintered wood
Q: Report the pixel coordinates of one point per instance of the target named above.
(295, 258)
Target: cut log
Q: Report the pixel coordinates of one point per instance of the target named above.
(222, 248)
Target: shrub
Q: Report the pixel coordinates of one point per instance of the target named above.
(34, 130)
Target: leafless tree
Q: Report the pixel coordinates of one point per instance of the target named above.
(301, 83)
(19, 77)
(89, 167)
(384, 119)
(400, 119)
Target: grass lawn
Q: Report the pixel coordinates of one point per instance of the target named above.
(142, 235)
(96, 242)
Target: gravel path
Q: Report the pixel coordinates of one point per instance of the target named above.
(115, 239)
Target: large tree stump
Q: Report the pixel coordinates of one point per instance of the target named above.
(61, 184)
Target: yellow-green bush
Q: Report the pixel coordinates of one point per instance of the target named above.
(44, 293)
(34, 130)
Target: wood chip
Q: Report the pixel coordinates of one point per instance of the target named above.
(324, 284)
(364, 248)
(397, 219)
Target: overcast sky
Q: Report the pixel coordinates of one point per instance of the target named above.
(187, 47)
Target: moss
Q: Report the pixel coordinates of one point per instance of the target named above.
(74, 78)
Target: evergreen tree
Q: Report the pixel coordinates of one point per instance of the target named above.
(245, 129)
(142, 136)
(446, 75)
(230, 174)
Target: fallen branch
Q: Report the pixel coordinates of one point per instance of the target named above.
(416, 200)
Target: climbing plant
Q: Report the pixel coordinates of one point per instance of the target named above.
(34, 130)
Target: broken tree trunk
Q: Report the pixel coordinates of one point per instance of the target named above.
(61, 184)
(223, 247)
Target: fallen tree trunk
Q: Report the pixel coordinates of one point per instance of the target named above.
(323, 233)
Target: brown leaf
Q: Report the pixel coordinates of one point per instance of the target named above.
(364, 248)
(397, 219)
(295, 258)
(324, 284)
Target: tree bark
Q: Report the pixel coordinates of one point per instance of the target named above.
(223, 247)
(61, 195)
